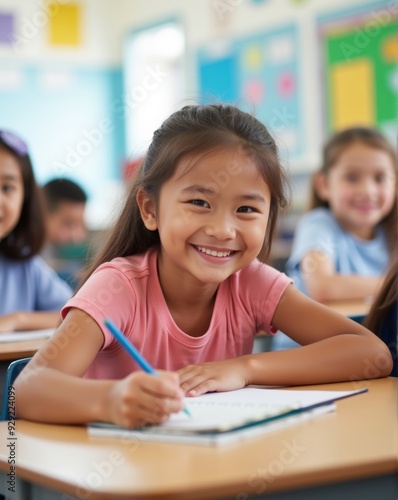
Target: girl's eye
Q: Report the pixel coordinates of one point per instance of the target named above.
(199, 203)
(7, 187)
(247, 210)
(380, 178)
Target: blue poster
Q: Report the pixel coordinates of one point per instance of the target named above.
(259, 74)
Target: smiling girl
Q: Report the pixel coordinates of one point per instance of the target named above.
(180, 277)
(342, 247)
(31, 293)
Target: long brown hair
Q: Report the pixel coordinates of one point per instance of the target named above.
(192, 130)
(27, 238)
(332, 152)
(385, 298)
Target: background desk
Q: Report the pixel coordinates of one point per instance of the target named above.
(349, 454)
(9, 351)
(354, 309)
(16, 350)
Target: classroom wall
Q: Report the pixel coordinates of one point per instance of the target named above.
(61, 98)
(213, 22)
(58, 97)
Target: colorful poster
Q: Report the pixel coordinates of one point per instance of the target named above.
(64, 25)
(359, 57)
(353, 103)
(259, 73)
(6, 28)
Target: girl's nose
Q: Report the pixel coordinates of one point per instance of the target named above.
(221, 227)
(369, 187)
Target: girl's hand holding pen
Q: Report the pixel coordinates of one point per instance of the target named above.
(141, 398)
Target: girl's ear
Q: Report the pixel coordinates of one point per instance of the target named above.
(321, 186)
(146, 205)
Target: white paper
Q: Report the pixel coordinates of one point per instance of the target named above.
(214, 416)
(211, 439)
(20, 336)
(227, 410)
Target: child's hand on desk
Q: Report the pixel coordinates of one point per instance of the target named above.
(213, 376)
(141, 399)
(8, 322)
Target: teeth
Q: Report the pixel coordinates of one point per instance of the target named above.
(213, 253)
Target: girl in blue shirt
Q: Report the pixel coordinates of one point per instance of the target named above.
(342, 246)
(31, 292)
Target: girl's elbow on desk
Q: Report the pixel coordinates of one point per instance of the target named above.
(375, 357)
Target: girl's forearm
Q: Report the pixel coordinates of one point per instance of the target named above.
(335, 359)
(48, 395)
(35, 320)
(326, 288)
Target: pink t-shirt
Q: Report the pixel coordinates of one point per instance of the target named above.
(127, 290)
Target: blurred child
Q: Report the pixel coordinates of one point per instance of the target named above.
(65, 203)
(180, 277)
(31, 293)
(382, 318)
(342, 247)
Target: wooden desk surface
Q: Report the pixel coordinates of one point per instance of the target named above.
(23, 349)
(358, 440)
(351, 308)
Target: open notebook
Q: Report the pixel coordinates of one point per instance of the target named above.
(225, 417)
(20, 336)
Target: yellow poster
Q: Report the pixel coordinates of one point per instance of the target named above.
(253, 57)
(352, 99)
(65, 24)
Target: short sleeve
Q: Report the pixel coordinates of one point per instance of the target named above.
(106, 294)
(261, 300)
(316, 231)
(51, 292)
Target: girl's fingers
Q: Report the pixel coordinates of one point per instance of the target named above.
(149, 399)
(194, 385)
(163, 385)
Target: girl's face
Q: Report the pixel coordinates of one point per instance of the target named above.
(11, 193)
(211, 216)
(360, 188)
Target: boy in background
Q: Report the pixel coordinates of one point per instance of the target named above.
(65, 203)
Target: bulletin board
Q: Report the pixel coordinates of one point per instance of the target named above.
(259, 74)
(359, 59)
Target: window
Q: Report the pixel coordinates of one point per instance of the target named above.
(153, 82)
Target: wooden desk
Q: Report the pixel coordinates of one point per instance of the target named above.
(350, 308)
(9, 351)
(349, 454)
(16, 350)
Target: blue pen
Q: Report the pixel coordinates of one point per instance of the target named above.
(137, 356)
